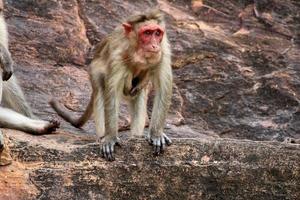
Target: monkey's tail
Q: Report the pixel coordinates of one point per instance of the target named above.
(63, 112)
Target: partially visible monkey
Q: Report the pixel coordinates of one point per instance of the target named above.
(16, 114)
(139, 49)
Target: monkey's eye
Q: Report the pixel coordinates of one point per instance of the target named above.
(158, 33)
(147, 32)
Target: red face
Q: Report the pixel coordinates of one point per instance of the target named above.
(150, 37)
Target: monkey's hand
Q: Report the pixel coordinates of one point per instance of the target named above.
(6, 63)
(108, 147)
(159, 143)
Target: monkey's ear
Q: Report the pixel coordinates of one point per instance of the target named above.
(127, 28)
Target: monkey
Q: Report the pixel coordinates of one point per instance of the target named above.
(15, 113)
(135, 53)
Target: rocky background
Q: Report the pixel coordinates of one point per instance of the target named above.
(236, 96)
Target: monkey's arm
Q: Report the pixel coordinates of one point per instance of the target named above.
(163, 85)
(111, 111)
(6, 63)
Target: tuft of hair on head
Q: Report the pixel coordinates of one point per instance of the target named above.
(154, 14)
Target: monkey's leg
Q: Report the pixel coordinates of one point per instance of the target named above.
(14, 120)
(138, 107)
(162, 101)
(112, 101)
(13, 98)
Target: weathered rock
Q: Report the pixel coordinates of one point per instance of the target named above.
(70, 167)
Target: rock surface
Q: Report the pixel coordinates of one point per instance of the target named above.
(71, 168)
(236, 76)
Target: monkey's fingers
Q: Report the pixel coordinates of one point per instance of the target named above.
(157, 147)
(159, 144)
(48, 127)
(107, 152)
(148, 139)
(168, 140)
(53, 125)
(104, 152)
(108, 148)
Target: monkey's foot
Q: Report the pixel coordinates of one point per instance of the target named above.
(51, 126)
(159, 143)
(108, 147)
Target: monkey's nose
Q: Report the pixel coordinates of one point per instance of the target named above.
(155, 48)
(7, 75)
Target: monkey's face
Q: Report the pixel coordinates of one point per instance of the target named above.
(150, 37)
(146, 38)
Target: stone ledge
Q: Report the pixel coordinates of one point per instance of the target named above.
(67, 166)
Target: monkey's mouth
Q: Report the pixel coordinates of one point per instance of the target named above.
(152, 51)
(151, 54)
